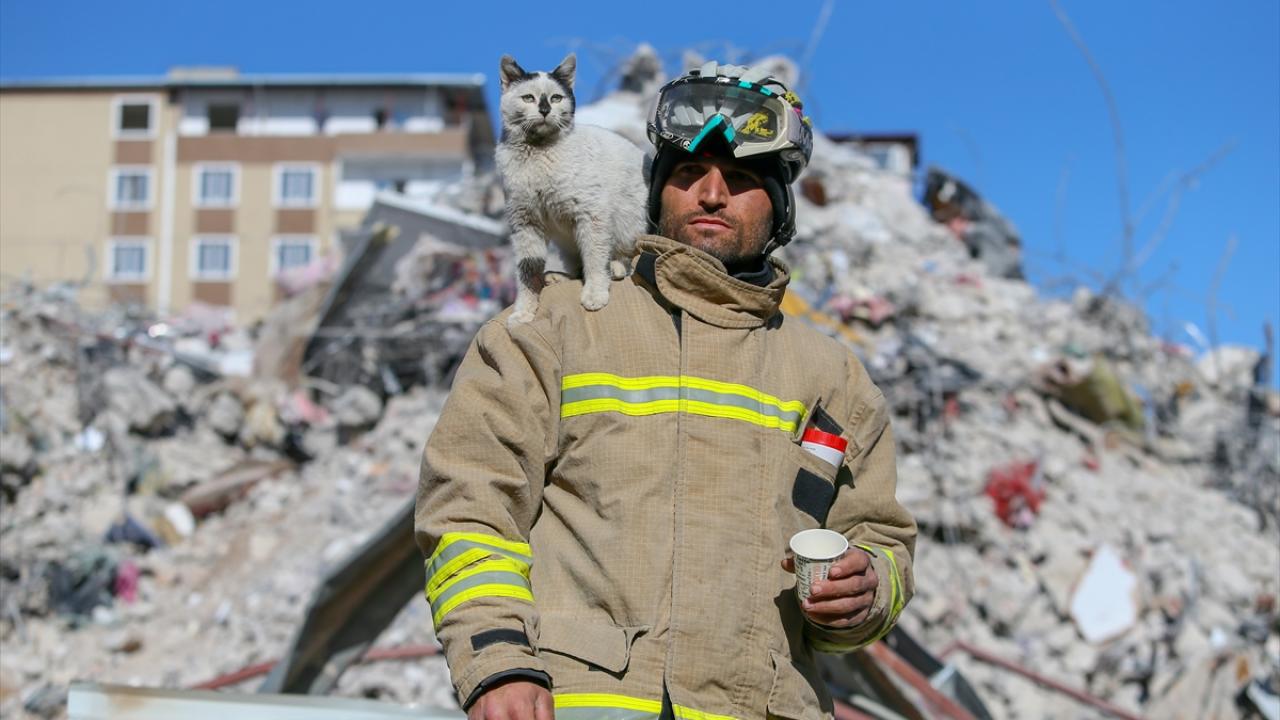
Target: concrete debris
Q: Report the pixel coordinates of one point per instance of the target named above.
(1105, 603)
(1171, 463)
(987, 234)
(144, 406)
(225, 415)
(357, 407)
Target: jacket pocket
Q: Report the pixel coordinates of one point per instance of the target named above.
(793, 695)
(814, 487)
(597, 644)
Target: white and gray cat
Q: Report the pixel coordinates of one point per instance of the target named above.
(582, 188)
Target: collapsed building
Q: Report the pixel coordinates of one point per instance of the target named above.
(1098, 507)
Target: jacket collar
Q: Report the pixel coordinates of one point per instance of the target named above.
(697, 283)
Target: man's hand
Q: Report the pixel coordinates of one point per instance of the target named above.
(514, 700)
(844, 598)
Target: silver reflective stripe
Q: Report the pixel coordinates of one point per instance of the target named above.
(731, 400)
(495, 577)
(600, 392)
(602, 713)
(462, 546)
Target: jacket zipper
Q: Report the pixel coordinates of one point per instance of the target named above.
(676, 514)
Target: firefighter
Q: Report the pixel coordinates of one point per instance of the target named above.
(606, 500)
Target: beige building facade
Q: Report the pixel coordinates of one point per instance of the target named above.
(211, 187)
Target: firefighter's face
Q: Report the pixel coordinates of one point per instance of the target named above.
(718, 206)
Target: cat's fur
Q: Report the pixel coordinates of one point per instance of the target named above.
(580, 187)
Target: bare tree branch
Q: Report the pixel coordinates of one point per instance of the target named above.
(1165, 279)
(819, 28)
(1122, 172)
(1060, 209)
(1211, 301)
(972, 146)
(1185, 182)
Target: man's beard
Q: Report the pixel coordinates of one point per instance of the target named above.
(746, 243)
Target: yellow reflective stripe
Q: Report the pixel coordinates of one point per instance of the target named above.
(635, 383)
(659, 407)
(509, 591)
(453, 566)
(794, 410)
(697, 407)
(585, 407)
(482, 546)
(496, 565)
(895, 591)
(450, 538)
(735, 389)
(604, 700)
(650, 382)
(895, 607)
(624, 702)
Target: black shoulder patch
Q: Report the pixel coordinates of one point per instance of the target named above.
(479, 641)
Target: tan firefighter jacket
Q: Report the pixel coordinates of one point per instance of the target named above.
(608, 495)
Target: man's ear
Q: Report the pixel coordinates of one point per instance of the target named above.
(564, 72)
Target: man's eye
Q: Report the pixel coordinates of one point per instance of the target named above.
(556, 98)
(527, 98)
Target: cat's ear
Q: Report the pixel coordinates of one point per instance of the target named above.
(565, 70)
(509, 71)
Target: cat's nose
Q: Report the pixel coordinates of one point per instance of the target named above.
(544, 107)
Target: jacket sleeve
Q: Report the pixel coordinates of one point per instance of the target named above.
(479, 491)
(866, 511)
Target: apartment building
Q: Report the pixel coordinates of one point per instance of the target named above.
(207, 185)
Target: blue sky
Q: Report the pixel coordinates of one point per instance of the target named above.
(996, 90)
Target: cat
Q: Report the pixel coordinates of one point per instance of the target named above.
(582, 187)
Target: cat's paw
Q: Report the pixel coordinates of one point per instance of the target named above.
(618, 269)
(594, 298)
(519, 317)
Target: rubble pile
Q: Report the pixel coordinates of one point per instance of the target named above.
(1096, 505)
(177, 533)
(1039, 436)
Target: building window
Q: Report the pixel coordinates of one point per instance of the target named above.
(134, 117)
(213, 257)
(216, 185)
(295, 185)
(127, 259)
(289, 252)
(130, 188)
(224, 117)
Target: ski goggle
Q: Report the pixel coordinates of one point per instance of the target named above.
(752, 119)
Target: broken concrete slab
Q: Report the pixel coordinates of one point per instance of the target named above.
(146, 407)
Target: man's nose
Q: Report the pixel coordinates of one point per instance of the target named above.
(713, 193)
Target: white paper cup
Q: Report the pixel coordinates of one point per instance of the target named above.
(815, 552)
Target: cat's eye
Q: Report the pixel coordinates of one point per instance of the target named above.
(556, 98)
(527, 98)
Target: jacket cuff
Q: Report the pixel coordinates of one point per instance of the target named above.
(534, 676)
(880, 619)
(493, 661)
